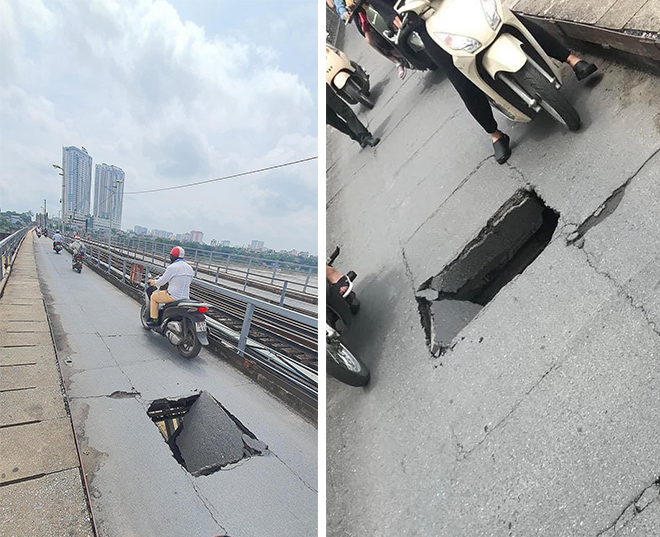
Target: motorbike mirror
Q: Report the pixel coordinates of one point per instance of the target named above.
(333, 255)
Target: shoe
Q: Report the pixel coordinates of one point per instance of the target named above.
(584, 69)
(501, 149)
(152, 323)
(369, 141)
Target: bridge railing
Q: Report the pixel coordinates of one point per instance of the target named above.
(302, 377)
(8, 249)
(283, 278)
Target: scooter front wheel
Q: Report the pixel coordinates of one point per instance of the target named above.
(552, 99)
(356, 94)
(144, 316)
(345, 366)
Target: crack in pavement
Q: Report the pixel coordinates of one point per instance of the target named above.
(490, 430)
(632, 509)
(406, 266)
(342, 187)
(608, 207)
(294, 473)
(205, 502)
(622, 292)
(460, 185)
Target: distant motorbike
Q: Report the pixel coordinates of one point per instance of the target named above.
(340, 362)
(39, 234)
(346, 77)
(46, 233)
(57, 246)
(77, 262)
(182, 322)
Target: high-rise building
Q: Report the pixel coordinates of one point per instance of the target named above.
(76, 184)
(196, 236)
(160, 233)
(257, 245)
(109, 193)
(225, 243)
(140, 230)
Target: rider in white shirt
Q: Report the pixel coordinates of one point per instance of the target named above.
(57, 238)
(178, 275)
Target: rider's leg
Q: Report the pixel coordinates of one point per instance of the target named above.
(341, 108)
(158, 297)
(556, 50)
(475, 100)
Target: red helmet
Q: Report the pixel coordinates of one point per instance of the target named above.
(177, 253)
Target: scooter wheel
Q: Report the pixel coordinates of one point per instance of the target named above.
(552, 99)
(191, 344)
(144, 316)
(355, 94)
(345, 366)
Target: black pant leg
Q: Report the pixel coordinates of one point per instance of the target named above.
(332, 119)
(475, 100)
(345, 112)
(552, 46)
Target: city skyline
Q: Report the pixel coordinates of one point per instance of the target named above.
(137, 91)
(215, 242)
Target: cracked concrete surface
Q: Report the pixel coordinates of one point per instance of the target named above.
(543, 417)
(113, 370)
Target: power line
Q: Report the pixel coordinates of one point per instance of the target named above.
(225, 177)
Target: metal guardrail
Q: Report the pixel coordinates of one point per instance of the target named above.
(303, 377)
(278, 276)
(8, 248)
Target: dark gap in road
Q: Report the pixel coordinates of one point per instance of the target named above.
(511, 240)
(203, 436)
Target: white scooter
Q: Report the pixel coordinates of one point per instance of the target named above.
(493, 49)
(346, 77)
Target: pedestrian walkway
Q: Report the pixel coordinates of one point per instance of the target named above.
(628, 26)
(41, 489)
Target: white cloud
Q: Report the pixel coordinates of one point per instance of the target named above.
(167, 101)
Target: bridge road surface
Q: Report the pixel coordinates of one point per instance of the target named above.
(544, 419)
(137, 487)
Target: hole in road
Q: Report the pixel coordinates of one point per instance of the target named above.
(202, 434)
(512, 239)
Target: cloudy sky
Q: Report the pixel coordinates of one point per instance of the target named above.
(172, 92)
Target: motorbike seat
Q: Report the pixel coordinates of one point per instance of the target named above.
(183, 301)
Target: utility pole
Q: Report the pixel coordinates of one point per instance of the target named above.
(45, 214)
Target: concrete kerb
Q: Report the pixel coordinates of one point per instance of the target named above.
(639, 49)
(37, 435)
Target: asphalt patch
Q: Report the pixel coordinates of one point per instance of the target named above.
(203, 436)
(512, 239)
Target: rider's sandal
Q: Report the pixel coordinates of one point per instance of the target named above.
(401, 70)
(501, 149)
(584, 69)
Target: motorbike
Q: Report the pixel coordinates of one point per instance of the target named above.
(408, 44)
(340, 308)
(77, 262)
(57, 246)
(46, 233)
(182, 322)
(346, 77)
(38, 234)
(493, 49)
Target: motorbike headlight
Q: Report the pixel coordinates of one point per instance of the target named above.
(492, 16)
(459, 42)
